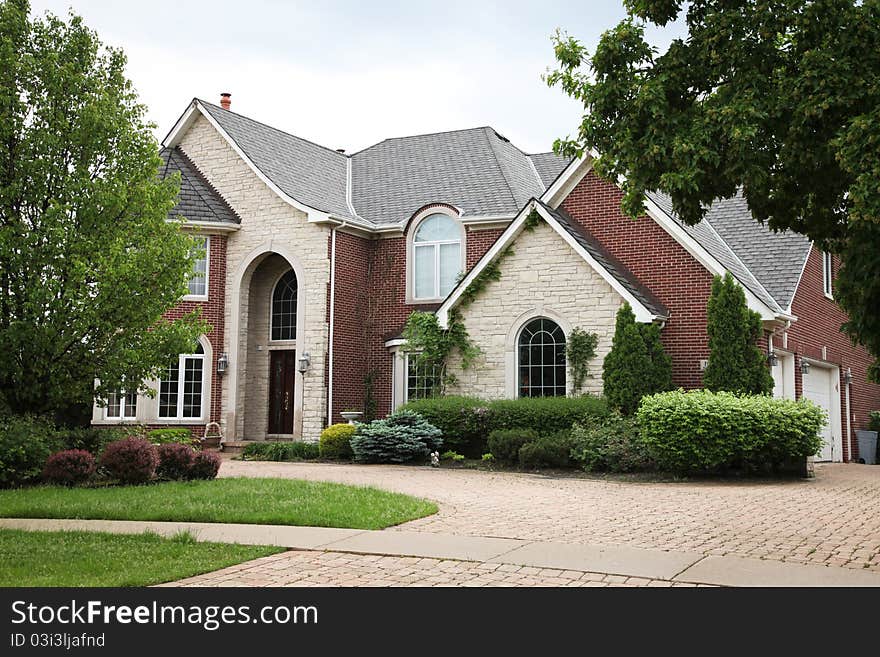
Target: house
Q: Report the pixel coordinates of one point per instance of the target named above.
(312, 259)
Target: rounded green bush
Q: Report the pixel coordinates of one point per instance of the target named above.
(703, 431)
(505, 444)
(335, 441)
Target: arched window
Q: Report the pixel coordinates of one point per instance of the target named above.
(436, 256)
(284, 308)
(541, 359)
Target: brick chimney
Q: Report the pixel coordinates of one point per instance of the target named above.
(225, 100)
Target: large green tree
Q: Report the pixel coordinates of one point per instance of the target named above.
(736, 364)
(780, 99)
(88, 262)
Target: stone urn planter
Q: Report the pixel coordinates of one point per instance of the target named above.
(352, 416)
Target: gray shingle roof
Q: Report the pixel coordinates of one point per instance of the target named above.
(476, 170)
(311, 174)
(614, 267)
(198, 200)
(549, 166)
(774, 258)
(768, 264)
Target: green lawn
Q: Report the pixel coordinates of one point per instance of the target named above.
(235, 500)
(98, 559)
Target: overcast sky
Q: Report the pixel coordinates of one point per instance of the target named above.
(349, 74)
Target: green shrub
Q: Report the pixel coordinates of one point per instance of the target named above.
(504, 444)
(704, 431)
(402, 437)
(336, 441)
(636, 365)
(735, 361)
(613, 444)
(280, 451)
(874, 421)
(550, 451)
(180, 435)
(488, 457)
(25, 445)
(451, 455)
(464, 421)
(91, 439)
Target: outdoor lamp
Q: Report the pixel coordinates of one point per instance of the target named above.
(303, 363)
(847, 376)
(805, 367)
(773, 359)
(222, 363)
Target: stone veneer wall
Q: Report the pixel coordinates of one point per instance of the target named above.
(543, 277)
(267, 220)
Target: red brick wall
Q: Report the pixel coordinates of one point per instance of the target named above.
(353, 255)
(660, 263)
(371, 308)
(818, 325)
(213, 313)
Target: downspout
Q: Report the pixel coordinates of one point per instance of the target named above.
(848, 416)
(332, 317)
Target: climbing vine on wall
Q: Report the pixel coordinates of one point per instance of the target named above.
(580, 350)
(430, 346)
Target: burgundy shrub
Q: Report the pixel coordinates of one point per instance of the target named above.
(205, 465)
(69, 467)
(131, 460)
(175, 461)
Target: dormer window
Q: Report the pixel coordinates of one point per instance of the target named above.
(436, 257)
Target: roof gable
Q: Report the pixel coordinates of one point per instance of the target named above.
(645, 306)
(197, 200)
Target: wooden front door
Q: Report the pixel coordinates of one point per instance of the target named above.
(282, 373)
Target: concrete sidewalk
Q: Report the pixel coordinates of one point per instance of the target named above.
(673, 566)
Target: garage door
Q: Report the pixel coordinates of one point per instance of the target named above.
(818, 389)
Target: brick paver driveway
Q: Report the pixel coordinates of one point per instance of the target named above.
(833, 518)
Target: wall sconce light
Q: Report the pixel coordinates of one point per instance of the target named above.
(805, 367)
(773, 359)
(222, 363)
(303, 363)
(847, 376)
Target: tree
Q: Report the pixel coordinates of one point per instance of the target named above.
(661, 364)
(633, 368)
(736, 364)
(779, 99)
(88, 262)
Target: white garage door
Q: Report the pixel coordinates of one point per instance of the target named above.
(818, 388)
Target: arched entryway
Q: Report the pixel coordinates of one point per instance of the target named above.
(266, 335)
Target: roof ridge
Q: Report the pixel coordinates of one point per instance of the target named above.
(423, 134)
(271, 127)
(498, 162)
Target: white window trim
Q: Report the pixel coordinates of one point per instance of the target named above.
(181, 373)
(411, 297)
(827, 275)
(122, 416)
(517, 364)
(289, 343)
(203, 297)
(399, 374)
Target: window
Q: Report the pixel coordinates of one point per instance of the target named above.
(181, 386)
(422, 379)
(284, 308)
(121, 406)
(541, 359)
(436, 257)
(198, 282)
(826, 273)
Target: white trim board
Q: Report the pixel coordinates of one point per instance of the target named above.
(642, 313)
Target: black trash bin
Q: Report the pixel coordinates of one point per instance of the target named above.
(867, 446)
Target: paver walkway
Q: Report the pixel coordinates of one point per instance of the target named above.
(832, 519)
